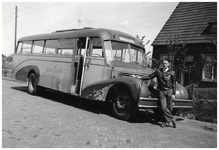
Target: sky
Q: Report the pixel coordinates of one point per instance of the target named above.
(135, 18)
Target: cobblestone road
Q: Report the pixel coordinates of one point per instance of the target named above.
(60, 121)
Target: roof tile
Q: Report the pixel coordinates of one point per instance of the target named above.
(188, 21)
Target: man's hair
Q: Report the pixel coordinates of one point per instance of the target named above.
(166, 59)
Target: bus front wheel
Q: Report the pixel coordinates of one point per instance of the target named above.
(32, 84)
(124, 107)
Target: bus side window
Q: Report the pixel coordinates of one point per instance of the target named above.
(66, 47)
(59, 51)
(38, 47)
(51, 47)
(96, 49)
(65, 51)
(26, 47)
(81, 46)
(19, 47)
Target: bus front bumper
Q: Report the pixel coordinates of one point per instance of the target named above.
(148, 103)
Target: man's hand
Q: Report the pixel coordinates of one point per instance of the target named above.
(173, 97)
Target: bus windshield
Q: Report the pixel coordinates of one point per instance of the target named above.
(117, 51)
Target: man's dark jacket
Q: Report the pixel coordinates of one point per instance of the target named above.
(166, 80)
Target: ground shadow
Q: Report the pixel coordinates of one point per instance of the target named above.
(20, 88)
(92, 106)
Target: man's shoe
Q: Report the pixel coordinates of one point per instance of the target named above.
(174, 124)
(163, 124)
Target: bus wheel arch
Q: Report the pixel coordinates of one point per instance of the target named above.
(123, 104)
(34, 70)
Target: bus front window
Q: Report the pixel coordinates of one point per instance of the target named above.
(117, 51)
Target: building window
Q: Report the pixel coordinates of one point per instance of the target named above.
(211, 28)
(189, 58)
(209, 70)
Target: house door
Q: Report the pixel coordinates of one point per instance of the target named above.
(188, 76)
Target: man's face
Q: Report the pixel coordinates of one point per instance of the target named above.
(165, 64)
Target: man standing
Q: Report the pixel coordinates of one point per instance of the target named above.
(166, 80)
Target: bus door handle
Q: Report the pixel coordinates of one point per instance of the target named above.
(88, 63)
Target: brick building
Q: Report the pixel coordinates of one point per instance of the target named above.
(194, 23)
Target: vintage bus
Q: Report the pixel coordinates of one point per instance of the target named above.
(98, 64)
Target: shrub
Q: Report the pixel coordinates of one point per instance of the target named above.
(206, 110)
(190, 88)
(205, 93)
(203, 110)
(204, 106)
(6, 72)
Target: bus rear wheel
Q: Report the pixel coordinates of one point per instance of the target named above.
(124, 106)
(32, 84)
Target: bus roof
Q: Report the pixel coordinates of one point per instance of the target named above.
(105, 34)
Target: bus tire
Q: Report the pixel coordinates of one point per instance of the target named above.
(124, 107)
(32, 84)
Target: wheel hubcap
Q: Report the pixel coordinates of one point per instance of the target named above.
(122, 101)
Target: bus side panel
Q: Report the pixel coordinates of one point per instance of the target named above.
(61, 74)
(22, 74)
(56, 70)
(93, 71)
(16, 61)
(53, 72)
(21, 67)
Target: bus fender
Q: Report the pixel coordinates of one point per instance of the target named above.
(24, 72)
(102, 90)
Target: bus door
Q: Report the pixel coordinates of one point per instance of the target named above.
(94, 63)
(64, 70)
(77, 66)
